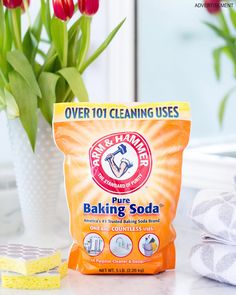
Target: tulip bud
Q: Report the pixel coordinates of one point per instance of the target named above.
(88, 7)
(12, 3)
(23, 5)
(63, 9)
(213, 6)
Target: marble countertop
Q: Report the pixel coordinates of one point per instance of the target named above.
(182, 281)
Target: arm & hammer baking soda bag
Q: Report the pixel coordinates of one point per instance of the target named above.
(122, 169)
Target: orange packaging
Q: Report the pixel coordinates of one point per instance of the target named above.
(122, 170)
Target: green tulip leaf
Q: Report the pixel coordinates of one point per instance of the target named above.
(85, 40)
(228, 39)
(224, 24)
(46, 17)
(74, 29)
(76, 83)
(47, 84)
(11, 106)
(232, 13)
(217, 53)
(30, 45)
(101, 48)
(37, 27)
(60, 39)
(37, 68)
(2, 100)
(41, 53)
(61, 89)
(72, 45)
(32, 38)
(223, 104)
(21, 65)
(216, 56)
(218, 31)
(27, 103)
(49, 62)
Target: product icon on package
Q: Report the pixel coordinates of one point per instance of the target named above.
(148, 244)
(121, 245)
(93, 244)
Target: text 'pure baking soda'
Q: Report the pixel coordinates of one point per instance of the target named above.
(122, 169)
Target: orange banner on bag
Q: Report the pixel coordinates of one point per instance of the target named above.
(122, 168)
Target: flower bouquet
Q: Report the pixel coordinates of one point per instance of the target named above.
(41, 67)
(225, 29)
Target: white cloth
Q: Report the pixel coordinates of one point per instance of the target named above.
(215, 261)
(214, 212)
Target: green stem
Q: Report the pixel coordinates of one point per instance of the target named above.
(86, 34)
(223, 22)
(3, 77)
(101, 48)
(16, 29)
(65, 51)
(2, 27)
(76, 7)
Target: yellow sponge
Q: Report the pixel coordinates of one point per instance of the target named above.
(27, 260)
(63, 269)
(45, 280)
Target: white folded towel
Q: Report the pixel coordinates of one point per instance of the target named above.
(215, 261)
(214, 212)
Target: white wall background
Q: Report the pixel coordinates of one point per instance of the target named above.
(175, 63)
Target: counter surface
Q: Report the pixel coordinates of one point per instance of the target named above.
(182, 281)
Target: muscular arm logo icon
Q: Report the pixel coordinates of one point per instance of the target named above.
(124, 165)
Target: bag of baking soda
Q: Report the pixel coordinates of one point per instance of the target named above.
(122, 169)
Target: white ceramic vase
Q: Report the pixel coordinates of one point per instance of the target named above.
(38, 176)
